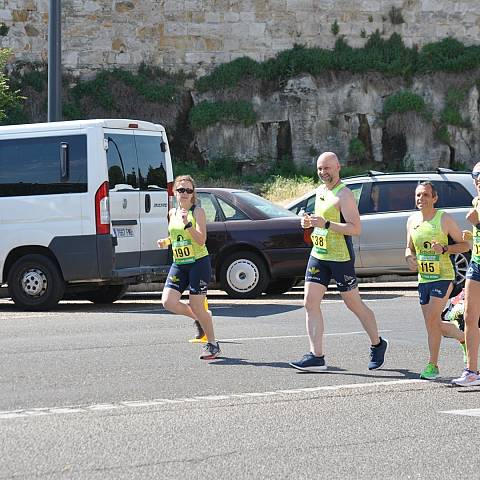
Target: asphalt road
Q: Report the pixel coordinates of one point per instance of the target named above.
(117, 392)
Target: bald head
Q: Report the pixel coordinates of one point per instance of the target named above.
(328, 157)
(476, 167)
(328, 168)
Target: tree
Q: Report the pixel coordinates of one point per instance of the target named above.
(7, 96)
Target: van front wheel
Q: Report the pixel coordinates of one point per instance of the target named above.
(35, 283)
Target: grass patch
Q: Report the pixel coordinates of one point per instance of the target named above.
(206, 113)
(405, 101)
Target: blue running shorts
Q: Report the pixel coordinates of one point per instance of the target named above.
(432, 289)
(322, 271)
(473, 272)
(196, 276)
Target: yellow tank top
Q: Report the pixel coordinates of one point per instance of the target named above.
(185, 249)
(432, 266)
(476, 245)
(329, 245)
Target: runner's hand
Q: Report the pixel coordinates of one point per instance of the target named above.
(163, 243)
(412, 262)
(467, 235)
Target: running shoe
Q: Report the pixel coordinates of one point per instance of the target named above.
(377, 354)
(210, 351)
(464, 351)
(430, 372)
(200, 336)
(468, 379)
(310, 363)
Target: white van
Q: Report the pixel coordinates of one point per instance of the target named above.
(82, 204)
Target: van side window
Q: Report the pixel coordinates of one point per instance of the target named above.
(31, 166)
(122, 162)
(151, 163)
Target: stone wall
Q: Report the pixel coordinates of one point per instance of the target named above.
(196, 35)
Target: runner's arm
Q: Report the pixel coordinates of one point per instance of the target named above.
(410, 254)
(199, 233)
(450, 227)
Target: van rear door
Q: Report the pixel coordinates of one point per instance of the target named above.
(123, 177)
(153, 182)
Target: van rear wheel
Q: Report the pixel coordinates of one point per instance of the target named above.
(35, 283)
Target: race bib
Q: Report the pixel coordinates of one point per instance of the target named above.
(183, 252)
(429, 266)
(476, 249)
(319, 240)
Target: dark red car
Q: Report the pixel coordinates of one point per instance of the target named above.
(255, 245)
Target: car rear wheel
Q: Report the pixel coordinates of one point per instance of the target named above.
(461, 261)
(280, 285)
(35, 282)
(244, 275)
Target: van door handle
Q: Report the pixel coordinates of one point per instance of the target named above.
(148, 203)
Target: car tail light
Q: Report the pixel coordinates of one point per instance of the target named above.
(102, 210)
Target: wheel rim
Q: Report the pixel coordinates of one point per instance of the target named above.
(34, 282)
(461, 267)
(243, 275)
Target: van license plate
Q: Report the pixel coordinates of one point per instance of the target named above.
(124, 232)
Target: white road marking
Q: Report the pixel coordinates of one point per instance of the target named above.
(81, 409)
(471, 412)
(360, 332)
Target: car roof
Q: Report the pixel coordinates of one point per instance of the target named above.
(440, 174)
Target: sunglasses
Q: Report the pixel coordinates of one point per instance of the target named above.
(185, 190)
(475, 175)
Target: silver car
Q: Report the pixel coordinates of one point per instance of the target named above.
(385, 201)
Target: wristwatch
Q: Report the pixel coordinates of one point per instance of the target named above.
(327, 224)
(444, 248)
(188, 225)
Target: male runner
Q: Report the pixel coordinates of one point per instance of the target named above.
(335, 220)
(428, 252)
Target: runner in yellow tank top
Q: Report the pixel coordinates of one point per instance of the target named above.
(335, 220)
(471, 376)
(428, 252)
(191, 263)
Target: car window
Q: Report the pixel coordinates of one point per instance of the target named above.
(309, 205)
(264, 206)
(391, 197)
(452, 194)
(207, 203)
(356, 189)
(230, 212)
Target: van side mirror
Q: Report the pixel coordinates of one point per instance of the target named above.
(163, 146)
(64, 162)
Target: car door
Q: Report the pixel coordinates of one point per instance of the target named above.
(153, 197)
(124, 196)
(384, 220)
(216, 231)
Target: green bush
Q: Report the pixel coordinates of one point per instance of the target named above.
(451, 113)
(335, 28)
(357, 149)
(10, 100)
(448, 55)
(228, 74)
(206, 113)
(402, 102)
(389, 56)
